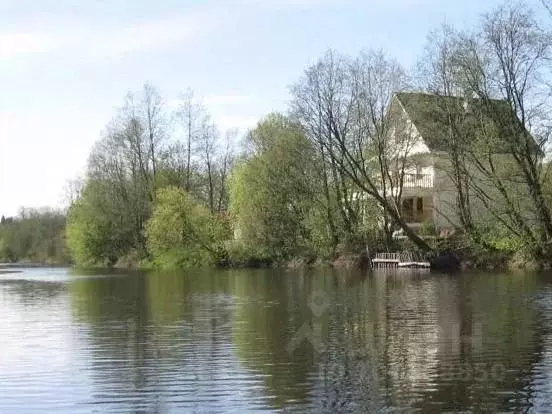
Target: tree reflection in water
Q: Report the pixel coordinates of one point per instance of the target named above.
(212, 339)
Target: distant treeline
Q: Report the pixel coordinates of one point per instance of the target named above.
(34, 235)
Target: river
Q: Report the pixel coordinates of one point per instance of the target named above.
(247, 341)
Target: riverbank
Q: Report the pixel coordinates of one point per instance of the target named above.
(24, 264)
(443, 260)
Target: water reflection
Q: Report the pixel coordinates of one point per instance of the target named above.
(29, 290)
(269, 314)
(254, 341)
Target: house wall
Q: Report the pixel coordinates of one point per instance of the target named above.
(414, 215)
(445, 194)
(436, 165)
(403, 134)
(405, 137)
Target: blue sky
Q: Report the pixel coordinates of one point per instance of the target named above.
(65, 66)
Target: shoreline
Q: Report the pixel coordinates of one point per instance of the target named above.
(30, 265)
(448, 261)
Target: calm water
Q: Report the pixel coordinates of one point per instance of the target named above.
(271, 341)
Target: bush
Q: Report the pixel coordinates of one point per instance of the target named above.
(182, 233)
(241, 254)
(428, 228)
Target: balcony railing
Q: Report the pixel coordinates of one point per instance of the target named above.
(418, 181)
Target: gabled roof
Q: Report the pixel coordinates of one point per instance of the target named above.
(492, 121)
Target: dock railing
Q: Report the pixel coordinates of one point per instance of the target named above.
(401, 259)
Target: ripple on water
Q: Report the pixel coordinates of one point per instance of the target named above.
(221, 342)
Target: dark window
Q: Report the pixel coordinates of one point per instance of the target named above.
(420, 204)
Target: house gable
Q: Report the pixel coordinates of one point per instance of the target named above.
(403, 131)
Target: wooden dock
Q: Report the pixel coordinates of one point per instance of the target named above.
(399, 260)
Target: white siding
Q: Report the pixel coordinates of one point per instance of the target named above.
(445, 191)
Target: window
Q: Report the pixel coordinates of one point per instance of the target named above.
(420, 204)
(408, 209)
(419, 174)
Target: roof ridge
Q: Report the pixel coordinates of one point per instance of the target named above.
(436, 95)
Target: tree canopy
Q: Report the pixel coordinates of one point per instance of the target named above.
(165, 186)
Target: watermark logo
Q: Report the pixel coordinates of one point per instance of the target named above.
(311, 331)
(446, 336)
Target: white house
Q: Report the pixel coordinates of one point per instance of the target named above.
(428, 191)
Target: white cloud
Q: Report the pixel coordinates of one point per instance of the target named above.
(241, 122)
(146, 35)
(17, 44)
(96, 41)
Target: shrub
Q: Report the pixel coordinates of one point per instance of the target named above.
(428, 228)
(183, 233)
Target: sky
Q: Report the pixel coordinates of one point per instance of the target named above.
(65, 66)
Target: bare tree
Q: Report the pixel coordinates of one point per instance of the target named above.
(383, 136)
(153, 117)
(201, 157)
(175, 164)
(207, 154)
(192, 117)
(73, 190)
(342, 105)
(224, 164)
(509, 58)
(308, 106)
(440, 75)
(124, 163)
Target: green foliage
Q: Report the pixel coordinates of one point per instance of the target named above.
(100, 226)
(34, 235)
(241, 254)
(320, 241)
(134, 159)
(7, 253)
(500, 239)
(183, 233)
(272, 192)
(428, 228)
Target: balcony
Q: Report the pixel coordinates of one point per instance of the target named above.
(418, 181)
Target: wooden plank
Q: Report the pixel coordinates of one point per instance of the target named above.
(385, 262)
(414, 264)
